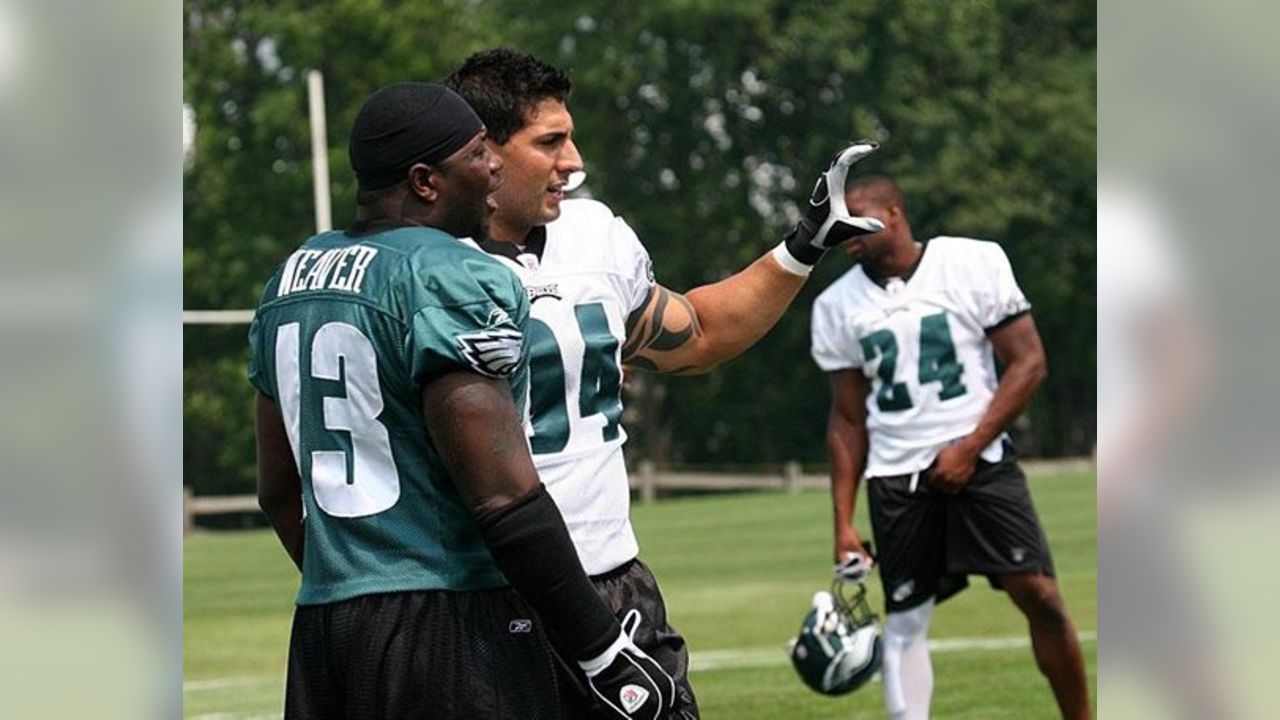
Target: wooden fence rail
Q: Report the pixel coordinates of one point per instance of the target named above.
(647, 481)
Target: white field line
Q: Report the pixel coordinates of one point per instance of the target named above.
(236, 716)
(739, 658)
(228, 682)
(732, 659)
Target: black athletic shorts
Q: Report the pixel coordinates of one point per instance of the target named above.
(632, 586)
(430, 654)
(928, 542)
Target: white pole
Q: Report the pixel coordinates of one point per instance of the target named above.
(319, 151)
(217, 317)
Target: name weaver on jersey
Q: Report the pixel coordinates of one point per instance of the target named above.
(327, 270)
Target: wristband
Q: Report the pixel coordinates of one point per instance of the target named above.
(789, 262)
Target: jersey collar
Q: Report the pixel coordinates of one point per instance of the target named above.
(884, 281)
(535, 243)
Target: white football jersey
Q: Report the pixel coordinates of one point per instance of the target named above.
(585, 273)
(922, 344)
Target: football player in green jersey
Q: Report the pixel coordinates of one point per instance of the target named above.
(390, 367)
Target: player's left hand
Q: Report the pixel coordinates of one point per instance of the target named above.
(626, 682)
(953, 468)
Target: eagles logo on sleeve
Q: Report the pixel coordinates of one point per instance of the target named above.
(496, 350)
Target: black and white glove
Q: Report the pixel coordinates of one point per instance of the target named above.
(826, 223)
(628, 683)
(854, 568)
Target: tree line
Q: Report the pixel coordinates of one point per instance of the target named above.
(703, 124)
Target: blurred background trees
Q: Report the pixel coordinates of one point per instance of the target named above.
(702, 122)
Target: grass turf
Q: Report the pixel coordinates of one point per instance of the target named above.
(737, 572)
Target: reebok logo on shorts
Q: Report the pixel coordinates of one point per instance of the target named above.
(1018, 554)
(520, 626)
(632, 697)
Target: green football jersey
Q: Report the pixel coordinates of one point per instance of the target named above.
(347, 333)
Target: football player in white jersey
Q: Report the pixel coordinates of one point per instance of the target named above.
(907, 337)
(596, 306)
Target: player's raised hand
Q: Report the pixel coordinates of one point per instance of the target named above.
(826, 223)
(627, 682)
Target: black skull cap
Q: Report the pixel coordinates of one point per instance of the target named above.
(407, 123)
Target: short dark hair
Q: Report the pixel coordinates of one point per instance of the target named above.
(504, 86)
(881, 188)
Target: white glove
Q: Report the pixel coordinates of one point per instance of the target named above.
(854, 568)
(826, 223)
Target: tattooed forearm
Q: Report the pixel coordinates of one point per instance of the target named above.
(640, 362)
(666, 322)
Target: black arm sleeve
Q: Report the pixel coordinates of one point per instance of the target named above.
(531, 546)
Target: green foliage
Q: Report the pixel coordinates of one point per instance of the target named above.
(248, 198)
(703, 123)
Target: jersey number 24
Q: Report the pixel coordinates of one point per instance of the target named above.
(938, 363)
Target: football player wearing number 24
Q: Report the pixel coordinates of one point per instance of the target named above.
(597, 307)
(907, 338)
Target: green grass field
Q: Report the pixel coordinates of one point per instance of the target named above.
(737, 572)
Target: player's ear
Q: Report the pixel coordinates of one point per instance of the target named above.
(424, 181)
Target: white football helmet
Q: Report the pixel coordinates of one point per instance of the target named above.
(838, 647)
